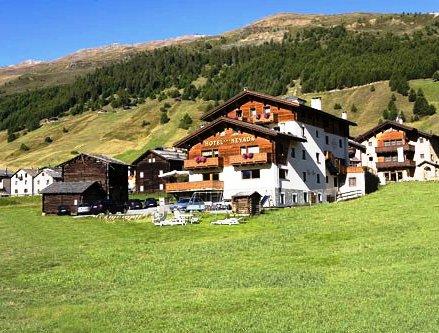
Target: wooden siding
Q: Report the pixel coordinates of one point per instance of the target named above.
(281, 114)
(112, 177)
(229, 145)
(151, 170)
(195, 186)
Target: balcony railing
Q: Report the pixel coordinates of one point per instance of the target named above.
(395, 165)
(249, 158)
(195, 186)
(391, 149)
(355, 169)
(203, 163)
(264, 118)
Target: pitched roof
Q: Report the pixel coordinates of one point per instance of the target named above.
(166, 153)
(68, 187)
(102, 158)
(393, 124)
(4, 173)
(288, 102)
(356, 145)
(238, 124)
(436, 165)
(246, 194)
(51, 172)
(30, 172)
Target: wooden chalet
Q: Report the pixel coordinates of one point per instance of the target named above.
(110, 173)
(153, 163)
(246, 203)
(70, 194)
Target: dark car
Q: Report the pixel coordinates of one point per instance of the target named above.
(106, 206)
(134, 204)
(63, 210)
(181, 204)
(150, 202)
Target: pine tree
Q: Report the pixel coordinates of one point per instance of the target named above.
(412, 95)
(436, 76)
(185, 122)
(164, 118)
(354, 109)
(337, 106)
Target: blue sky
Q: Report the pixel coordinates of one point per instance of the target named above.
(45, 30)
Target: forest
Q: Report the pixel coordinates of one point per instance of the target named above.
(318, 58)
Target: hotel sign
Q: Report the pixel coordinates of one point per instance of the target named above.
(230, 140)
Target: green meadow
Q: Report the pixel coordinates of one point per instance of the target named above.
(367, 265)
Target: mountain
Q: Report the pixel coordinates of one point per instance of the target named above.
(338, 57)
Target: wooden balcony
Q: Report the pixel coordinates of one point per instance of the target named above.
(204, 185)
(210, 162)
(355, 169)
(392, 149)
(257, 158)
(265, 118)
(395, 165)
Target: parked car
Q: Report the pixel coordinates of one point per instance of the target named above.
(150, 202)
(106, 206)
(222, 205)
(196, 205)
(63, 210)
(181, 204)
(134, 204)
(84, 209)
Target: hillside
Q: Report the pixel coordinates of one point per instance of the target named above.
(368, 265)
(29, 75)
(120, 133)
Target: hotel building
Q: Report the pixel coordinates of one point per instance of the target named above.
(288, 152)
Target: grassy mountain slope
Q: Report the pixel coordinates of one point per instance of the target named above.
(367, 265)
(121, 133)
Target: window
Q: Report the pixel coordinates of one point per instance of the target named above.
(47, 182)
(293, 152)
(422, 156)
(161, 187)
(283, 173)
(16, 182)
(335, 182)
(16, 191)
(215, 176)
(141, 188)
(253, 149)
(75, 202)
(370, 143)
(153, 159)
(340, 143)
(370, 159)
(253, 112)
(206, 176)
(239, 113)
(421, 140)
(304, 176)
(25, 190)
(319, 197)
(160, 172)
(303, 154)
(327, 179)
(206, 153)
(318, 158)
(317, 133)
(250, 174)
(318, 178)
(149, 160)
(282, 198)
(327, 140)
(38, 182)
(267, 109)
(294, 198)
(352, 182)
(305, 197)
(141, 174)
(303, 131)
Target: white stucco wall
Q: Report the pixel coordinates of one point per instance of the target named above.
(41, 181)
(21, 184)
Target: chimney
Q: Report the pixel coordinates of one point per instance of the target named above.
(399, 120)
(344, 115)
(316, 103)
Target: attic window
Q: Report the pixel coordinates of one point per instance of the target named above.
(253, 111)
(267, 108)
(239, 113)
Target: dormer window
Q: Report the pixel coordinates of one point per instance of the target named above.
(253, 112)
(239, 114)
(267, 109)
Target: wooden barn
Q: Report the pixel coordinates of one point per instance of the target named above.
(153, 163)
(70, 194)
(246, 203)
(110, 173)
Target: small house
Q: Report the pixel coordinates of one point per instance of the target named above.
(70, 194)
(152, 164)
(46, 177)
(5, 182)
(22, 182)
(246, 203)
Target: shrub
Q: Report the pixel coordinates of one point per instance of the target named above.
(166, 105)
(354, 109)
(372, 88)
(11, 136)
(436, 76)
(65, 130)
(164, 118)
(23, 147)
(412, 95)
(337, 106)
(48, 139)
(185, 122)
(145, 123)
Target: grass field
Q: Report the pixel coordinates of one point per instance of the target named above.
(368, 265)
